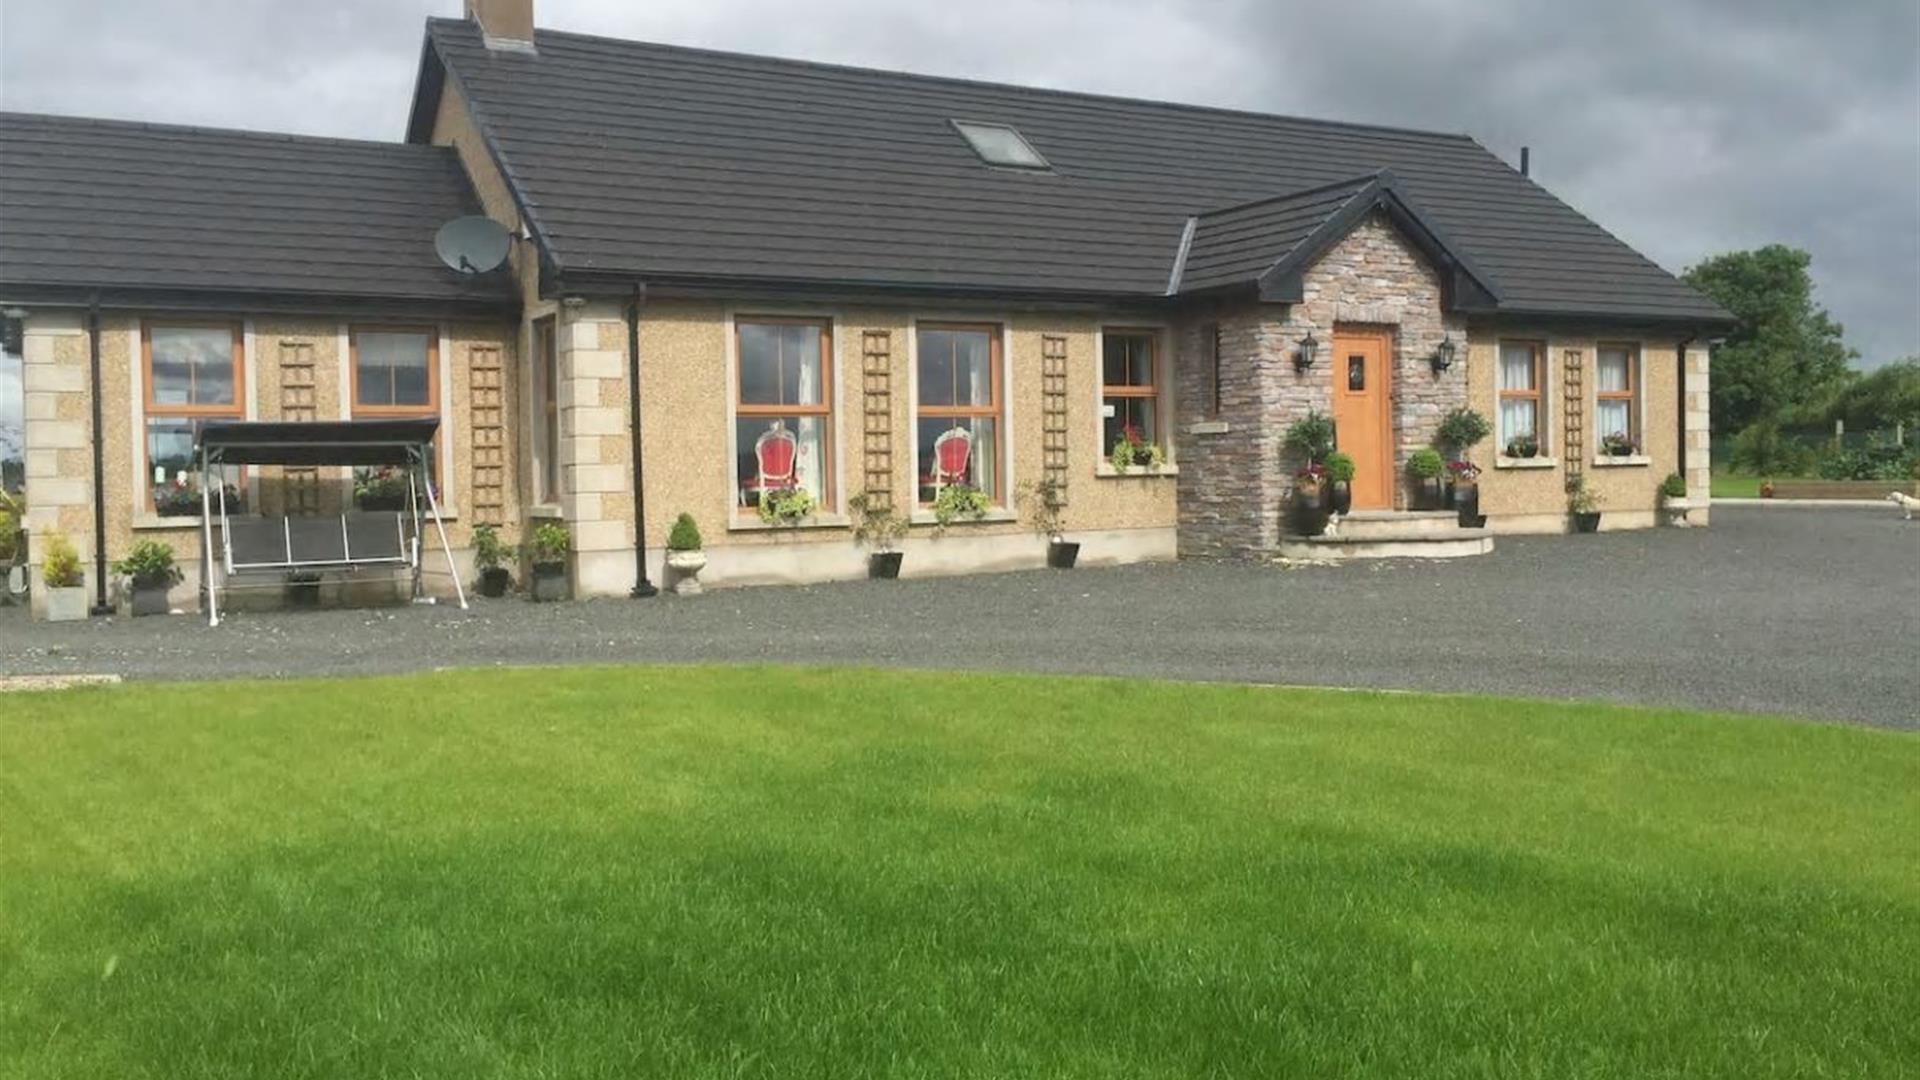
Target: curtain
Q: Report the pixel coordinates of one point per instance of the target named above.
(1518, 418)
(1611, 375)
(810, 429)
(1610, 418)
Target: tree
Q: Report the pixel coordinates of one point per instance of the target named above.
(1787, 353)
(1880, 399)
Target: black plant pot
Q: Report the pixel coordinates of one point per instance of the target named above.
(1466, 503)
(1586, 523)
(150, 597)
(494, 581)
(549, 581)
(303, 594)
(1342, 495)
(1062, 555)
(1427, 493)
(884, 565)
(1310, 512)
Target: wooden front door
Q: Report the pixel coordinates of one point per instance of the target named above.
(1361, 422)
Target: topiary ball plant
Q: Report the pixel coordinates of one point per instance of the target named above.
(1425, 463)
(685, 535)
(1311, 436)
(1340, 467)
(1674, 486)
(1463, 429)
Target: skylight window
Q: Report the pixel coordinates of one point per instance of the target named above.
(998, 144)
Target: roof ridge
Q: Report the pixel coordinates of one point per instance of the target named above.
(114, 123)
(1356, 182)
(990, 84)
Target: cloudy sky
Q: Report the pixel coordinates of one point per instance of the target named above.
(1687, 127)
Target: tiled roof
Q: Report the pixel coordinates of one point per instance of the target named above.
(685, 164)
(129, 206)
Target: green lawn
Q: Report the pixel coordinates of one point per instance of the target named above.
(643, 873)
(1734, 486)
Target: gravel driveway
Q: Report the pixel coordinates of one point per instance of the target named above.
(1805, 612)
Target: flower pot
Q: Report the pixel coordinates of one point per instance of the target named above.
(1310, 512)
(884, 565)
(150, 597)
(549, 581)
(1426, 493)
(686, 567)
(495, 580)
(303, 594)
(1675, 513)
(1342, 496)
(67, 603)
(1466, 503)
(1061, 555)
(1586, 523)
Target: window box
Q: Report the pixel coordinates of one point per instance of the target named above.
(1105, 470)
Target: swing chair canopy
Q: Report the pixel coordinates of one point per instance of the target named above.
(327, 442)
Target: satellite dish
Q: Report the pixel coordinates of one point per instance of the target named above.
(472, 245)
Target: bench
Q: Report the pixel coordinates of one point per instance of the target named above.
(1842, 489)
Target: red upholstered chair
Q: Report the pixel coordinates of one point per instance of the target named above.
(777, 453)
(951, 453)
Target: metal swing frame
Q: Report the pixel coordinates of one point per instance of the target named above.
(315, 546)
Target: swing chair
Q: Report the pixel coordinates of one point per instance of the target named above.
(254, 548)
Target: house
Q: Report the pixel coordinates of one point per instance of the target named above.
(904, 282)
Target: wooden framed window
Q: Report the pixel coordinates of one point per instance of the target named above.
(396, 370)
(783, 408)
(1616, 394)
(959, 406)
(546, 412)
(192, 373)
(1522, 383)
(1129, 386)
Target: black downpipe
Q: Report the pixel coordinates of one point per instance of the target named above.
(100, 605)
(642, 588)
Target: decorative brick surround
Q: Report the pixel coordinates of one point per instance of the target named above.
(1232, 498)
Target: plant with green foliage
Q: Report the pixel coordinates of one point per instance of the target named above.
(1878, 460)
(149, 563)
(1786, 354)
(549, 544)
(1463, 429)
(1425, 463)
(1340, 467)
(1130, 450)
(1673, 487)
(685, 534)
(489, 551)
(1580, 499)
(956, 501)
(13, 510)
(875, 524)
(786, 506)
(1046, 503)
(1877, 400)
(1523, 446)
(1762, 449)
(1311, 436)
(60, 564)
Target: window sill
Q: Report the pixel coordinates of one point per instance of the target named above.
(993, 514)
(1106, 470)
(1623, 461)
(1526, 463)
(815, 521)
(151, 521)
(544, 510)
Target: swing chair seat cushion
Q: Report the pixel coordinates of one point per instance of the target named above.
(317, 543)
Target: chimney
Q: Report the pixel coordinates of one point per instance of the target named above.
(505, 24)
(1526, 155)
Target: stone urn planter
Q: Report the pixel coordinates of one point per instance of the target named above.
(150, 596)
(686, 567)
(66, 603)
(1673, 512)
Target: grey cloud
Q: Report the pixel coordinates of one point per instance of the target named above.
(1688, 127)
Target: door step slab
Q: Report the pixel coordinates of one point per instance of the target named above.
(1456, 544)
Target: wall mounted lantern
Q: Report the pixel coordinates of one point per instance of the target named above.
(1303, 356)
(1442, 357)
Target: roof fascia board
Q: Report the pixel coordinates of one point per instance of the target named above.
(611, 284)
(281, 303)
